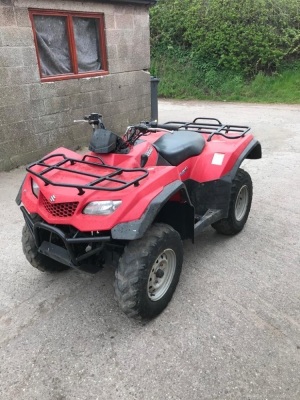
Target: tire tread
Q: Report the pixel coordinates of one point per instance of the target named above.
(129, 274)
(229, 226)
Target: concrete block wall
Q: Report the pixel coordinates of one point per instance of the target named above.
(36, 117)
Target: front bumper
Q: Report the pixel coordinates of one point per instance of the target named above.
(67, 251)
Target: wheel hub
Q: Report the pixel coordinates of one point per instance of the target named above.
(161, 274)
(241, 203)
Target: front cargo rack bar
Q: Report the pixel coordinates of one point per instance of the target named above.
(210, 126)
(66, 163)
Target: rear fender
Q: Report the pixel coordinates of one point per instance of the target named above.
(255, 151)
(252, 151)
(163, 209)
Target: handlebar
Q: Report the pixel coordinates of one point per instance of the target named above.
(93, 119)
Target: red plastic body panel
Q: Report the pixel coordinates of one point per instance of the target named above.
(217, 159)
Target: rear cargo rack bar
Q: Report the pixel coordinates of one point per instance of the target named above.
(66, 163)
(210, 126)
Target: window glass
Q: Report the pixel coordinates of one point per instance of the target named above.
(53, 47)
(86, 33)
(69, 44)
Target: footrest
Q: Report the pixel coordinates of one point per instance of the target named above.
(207, 219)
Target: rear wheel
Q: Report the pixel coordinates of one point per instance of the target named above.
(240, 204)
(37, 260)
(148, 272)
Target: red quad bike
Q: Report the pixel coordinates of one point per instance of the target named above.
(133, 200)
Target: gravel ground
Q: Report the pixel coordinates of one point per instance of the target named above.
(232, 329)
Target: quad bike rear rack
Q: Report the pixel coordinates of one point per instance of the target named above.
(210, 126)
(66, 163)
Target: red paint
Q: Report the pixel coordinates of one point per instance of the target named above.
(134, 199)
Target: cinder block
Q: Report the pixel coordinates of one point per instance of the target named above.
(25, 112)
(22, 17)
(109, 21)
(37, 108)
(40, 91)
(10, 148)
(18, 131)
(48, 141)
(64, 119)
(22, 75)
(116, 108)
(44, 124)
(124, 21)
(81, 100)
(57, 104)
(141, 21)
(140, 63)
(80, 140)
(65, 136)
(13, 95)
(114, 37)
(10, 56)
(17, 36)
(29, 56)
(7, 16)
(98, 98)
(4, 76)
(51, 122)
(112, 52)
(89, 84)
(132, 9)
(41, 141)
(68, 87)
(129, 78)
(26, 157)
(105, 82)
(126, 50)
(6, 2)
(116, 67)
(7, 117)
(120, 9)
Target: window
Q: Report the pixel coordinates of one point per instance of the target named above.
(69, 44)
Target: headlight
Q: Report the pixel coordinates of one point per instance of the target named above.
(35, 188)
(102, 207)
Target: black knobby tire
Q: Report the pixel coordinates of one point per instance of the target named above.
(240, 204)
(37, 260)
(148, 272)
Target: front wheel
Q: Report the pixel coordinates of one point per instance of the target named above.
(37, 260)
(148, 272)
(240, 204)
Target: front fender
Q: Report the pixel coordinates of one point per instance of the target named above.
(19, 195)
(136, 229)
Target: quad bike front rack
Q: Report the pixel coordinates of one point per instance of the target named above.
(44, 167)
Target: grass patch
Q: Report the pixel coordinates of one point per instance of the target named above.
(180, 78)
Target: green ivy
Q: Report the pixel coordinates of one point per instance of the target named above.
(245, 36)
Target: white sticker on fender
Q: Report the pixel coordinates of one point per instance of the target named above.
(218, 159)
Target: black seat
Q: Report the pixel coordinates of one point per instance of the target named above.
(178, 146)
